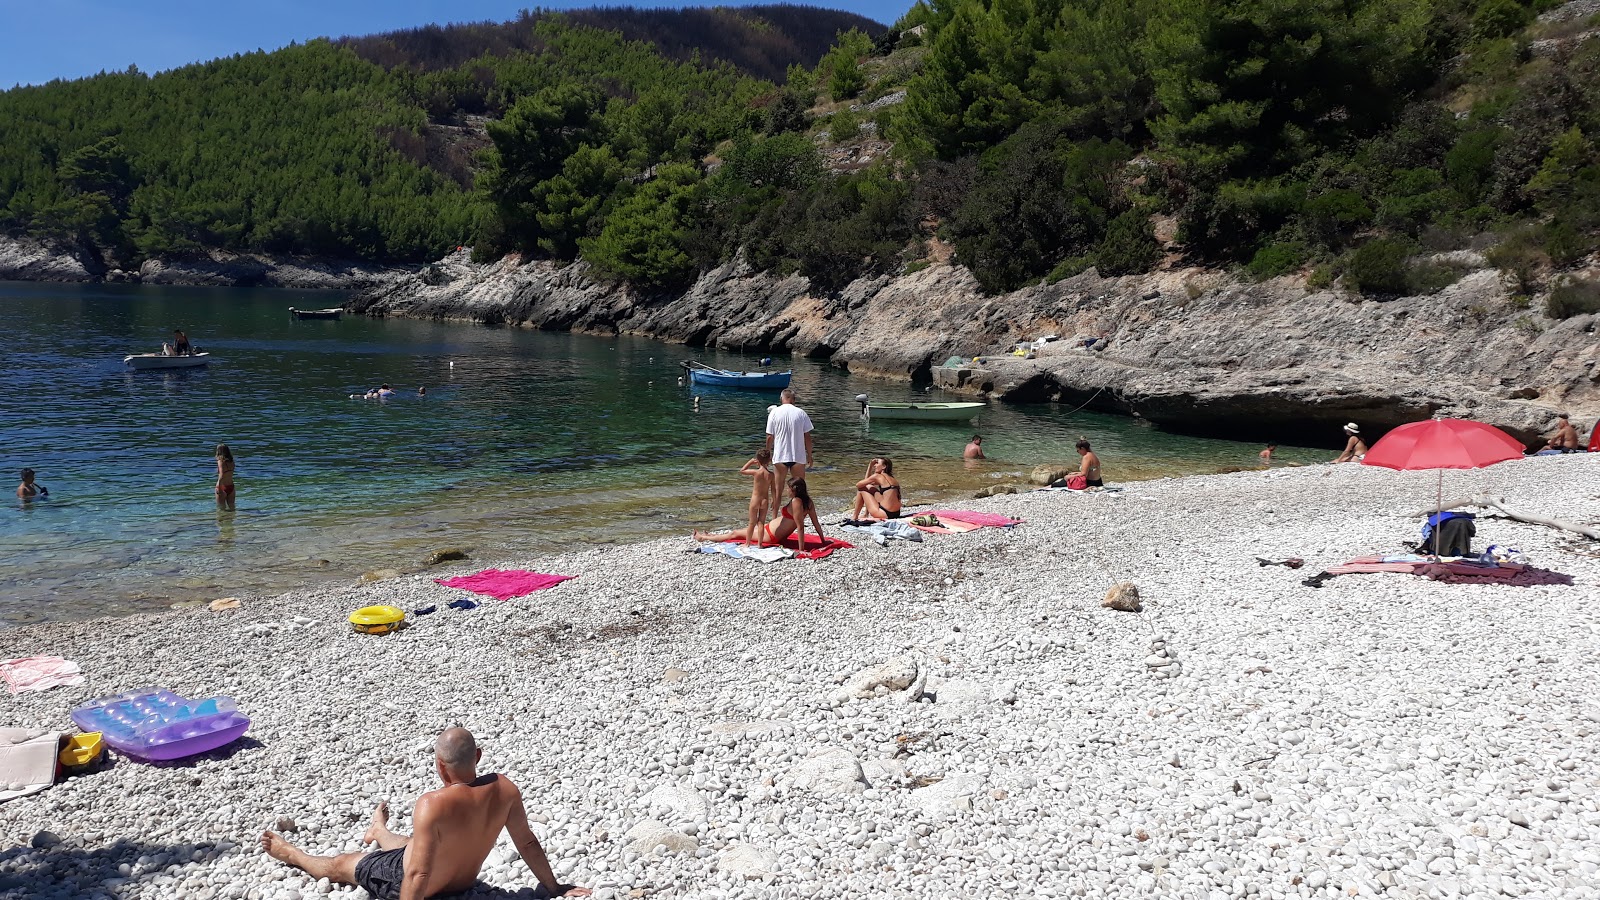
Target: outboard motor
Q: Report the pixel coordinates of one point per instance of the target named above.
(862, 399)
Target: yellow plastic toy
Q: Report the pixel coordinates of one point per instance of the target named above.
(82, 749)
(378, 619)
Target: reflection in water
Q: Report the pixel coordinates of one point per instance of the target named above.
(526, 441)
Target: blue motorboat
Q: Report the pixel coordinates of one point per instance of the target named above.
(702, 374)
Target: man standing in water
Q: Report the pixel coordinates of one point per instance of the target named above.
(789, 439)
(454, 828)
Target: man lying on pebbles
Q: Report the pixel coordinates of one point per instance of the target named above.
(456, 827)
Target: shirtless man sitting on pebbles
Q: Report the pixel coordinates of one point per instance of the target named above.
(455, 828)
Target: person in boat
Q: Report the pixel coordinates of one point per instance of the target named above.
(790, 519)
(878, 494)
(225, 489)
(30, 489)
(974, 448)
(180, 343)
(1565, 439)
(759, 468)
(789, 440)
(1089, 465)
(453, 830)
(1355, 449)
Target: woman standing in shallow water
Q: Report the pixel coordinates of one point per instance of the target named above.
(225, 489)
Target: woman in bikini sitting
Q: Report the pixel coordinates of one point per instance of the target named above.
(791, 519)
(878, 494)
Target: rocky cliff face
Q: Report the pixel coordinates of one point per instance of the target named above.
(22, 259)
(1189, 349)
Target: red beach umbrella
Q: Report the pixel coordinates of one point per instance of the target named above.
(1443, 444)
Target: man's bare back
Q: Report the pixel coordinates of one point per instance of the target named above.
(455, 827)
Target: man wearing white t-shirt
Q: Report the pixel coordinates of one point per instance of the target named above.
(789, 439)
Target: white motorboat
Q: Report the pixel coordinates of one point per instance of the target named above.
(144, 361)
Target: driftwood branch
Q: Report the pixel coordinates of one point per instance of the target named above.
(1485, 501)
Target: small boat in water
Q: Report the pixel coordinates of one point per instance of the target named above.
(924, 412)
(140, 362)
(702, 374)
(333, 313)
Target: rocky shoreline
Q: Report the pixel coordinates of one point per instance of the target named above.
(1193, 350)
(1189, 349)
(29, 260)
(958, 717)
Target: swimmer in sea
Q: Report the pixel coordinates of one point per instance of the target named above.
(225, 490)
(29, 489)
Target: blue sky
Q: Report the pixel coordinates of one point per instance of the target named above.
(45, 39)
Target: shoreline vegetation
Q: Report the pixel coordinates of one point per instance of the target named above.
(678, 724)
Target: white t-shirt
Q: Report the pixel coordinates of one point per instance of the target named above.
(788, 425)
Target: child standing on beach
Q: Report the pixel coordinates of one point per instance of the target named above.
(224, 477)
(761, 491)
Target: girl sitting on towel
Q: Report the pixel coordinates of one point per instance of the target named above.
(791, 519)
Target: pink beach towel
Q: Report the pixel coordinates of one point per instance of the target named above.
(504, 584)
(982, 519)
(36, 673)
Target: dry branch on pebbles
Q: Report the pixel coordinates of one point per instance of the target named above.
(1385, 733)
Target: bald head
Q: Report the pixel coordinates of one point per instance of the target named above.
(457, 749)
(786, 395)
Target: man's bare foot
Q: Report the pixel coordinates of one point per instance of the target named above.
(380, 823)
(281, 850)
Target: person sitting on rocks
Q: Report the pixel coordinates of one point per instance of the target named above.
(454, 829)
(1355, 449)
(1566, 437)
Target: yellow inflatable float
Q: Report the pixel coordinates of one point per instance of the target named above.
(377, 619)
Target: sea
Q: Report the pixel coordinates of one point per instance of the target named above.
(525, 441)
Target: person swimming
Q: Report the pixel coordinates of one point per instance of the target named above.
(30, 489)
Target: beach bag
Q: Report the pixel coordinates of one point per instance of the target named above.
(926, 521)
(1077, 482)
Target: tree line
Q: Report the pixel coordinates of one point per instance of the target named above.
(1041, 138)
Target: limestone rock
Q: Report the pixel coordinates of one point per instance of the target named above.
(994, 490)
(380, 575)
(449, 554)
(895, 675)
(748, 861)
(682, 804)
(673, 675)
(645, 837)
(949, 797)
(1049, 472)
(1124, 597)
(829, 770)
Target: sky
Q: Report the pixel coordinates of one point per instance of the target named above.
(41, 40)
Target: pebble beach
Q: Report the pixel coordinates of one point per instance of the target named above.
(959, 717)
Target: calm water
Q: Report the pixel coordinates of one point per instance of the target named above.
(525, 441)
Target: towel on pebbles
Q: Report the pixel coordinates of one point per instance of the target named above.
(36, 673)
(504, 584)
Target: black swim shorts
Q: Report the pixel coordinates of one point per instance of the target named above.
(1095, 482)
(381, 873)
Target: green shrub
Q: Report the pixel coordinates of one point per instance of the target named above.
(844, 126)
(1277, 259)
(1320, 278)
(1333, 216)
(1573, 297)
(1499, 18)
(1074, 265)
(1129, 247)
(1378, 267)
(1432, 277)
(1519, 256)
(1566, 244)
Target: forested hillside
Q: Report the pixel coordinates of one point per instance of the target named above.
(1342, 140)
(367, 148)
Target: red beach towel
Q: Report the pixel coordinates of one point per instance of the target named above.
(971, 517)
(504, 584)
(816, 547)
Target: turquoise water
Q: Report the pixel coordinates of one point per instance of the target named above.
(525, 441)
